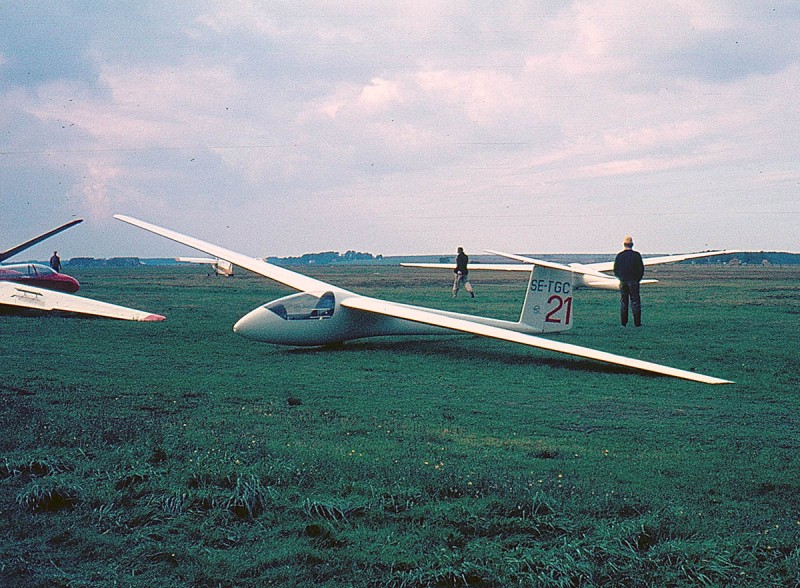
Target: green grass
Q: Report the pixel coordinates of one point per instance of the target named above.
(178, 454)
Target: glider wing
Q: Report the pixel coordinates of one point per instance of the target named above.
(20, 296)
(421, 315)
(585, 269)
(607, 266)
(503, 267)
(262, 268)
(28, 244)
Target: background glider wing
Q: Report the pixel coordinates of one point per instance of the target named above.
(608, 266)
(262, 268)
(503, 267)
(527, 265)
(585, 269)
(420, 315)
(20, 296)
(27, 244)
(209, 260)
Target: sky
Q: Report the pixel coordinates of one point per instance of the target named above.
(414, 127)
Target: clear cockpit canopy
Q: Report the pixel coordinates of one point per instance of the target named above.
(304, 306)
(26, 269)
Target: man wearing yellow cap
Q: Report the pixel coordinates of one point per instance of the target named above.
(629, 269)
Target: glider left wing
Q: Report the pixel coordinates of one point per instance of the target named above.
(262, 268)
(420, 315)
(17, 295)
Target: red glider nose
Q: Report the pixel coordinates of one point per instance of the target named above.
(68, 283)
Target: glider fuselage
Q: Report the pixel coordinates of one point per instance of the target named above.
(299, 319)
(39, 276)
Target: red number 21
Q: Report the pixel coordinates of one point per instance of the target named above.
(562, 304)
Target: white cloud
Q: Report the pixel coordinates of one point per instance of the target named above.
(417, 124)
(379, 95)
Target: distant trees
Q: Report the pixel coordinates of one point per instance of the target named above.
(325, 258)
(113, 262)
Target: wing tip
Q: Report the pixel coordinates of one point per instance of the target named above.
(153, 318)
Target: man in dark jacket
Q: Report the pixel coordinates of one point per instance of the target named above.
(461, 272)
(629, 269)
(55, 262)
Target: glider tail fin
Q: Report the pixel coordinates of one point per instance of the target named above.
(548, 301)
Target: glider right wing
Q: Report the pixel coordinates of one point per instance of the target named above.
(608, 266)
(421, 315)
(19, 296)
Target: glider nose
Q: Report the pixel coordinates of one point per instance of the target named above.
(74, 284)
(67, 283)
(253, 324)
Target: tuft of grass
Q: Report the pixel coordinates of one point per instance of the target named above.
(49, 495)
(444, 460)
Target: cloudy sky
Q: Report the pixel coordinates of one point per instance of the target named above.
(279, 128)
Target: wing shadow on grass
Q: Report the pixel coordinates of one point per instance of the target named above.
(461, 348)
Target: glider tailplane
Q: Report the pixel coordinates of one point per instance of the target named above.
(548, 301)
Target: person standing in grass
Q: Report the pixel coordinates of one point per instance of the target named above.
(55, 262)
(629, 269)
(461, 272)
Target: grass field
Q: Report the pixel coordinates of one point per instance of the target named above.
(178, 454)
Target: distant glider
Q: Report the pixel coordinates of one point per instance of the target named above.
(323, 313)
(36, 274)
(218, 266)
(33, 286)
(587, 275)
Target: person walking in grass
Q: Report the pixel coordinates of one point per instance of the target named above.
(461, 272)
(629, 269)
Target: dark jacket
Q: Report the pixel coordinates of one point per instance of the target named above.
(461, 264)
(628, 266)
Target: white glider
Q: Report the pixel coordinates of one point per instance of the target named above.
(219, 266)
(323, 313)
(588, 275)
(31, 286)
(21, 296)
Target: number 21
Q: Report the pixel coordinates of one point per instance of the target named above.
(562, 304)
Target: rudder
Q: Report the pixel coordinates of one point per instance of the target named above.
(548, 301)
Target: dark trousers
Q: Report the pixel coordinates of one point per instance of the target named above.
(629, 291)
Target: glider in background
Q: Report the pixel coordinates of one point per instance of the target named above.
(33, 286)
(587, 275)
(36, 274)
(322, 313)
(219, 266)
